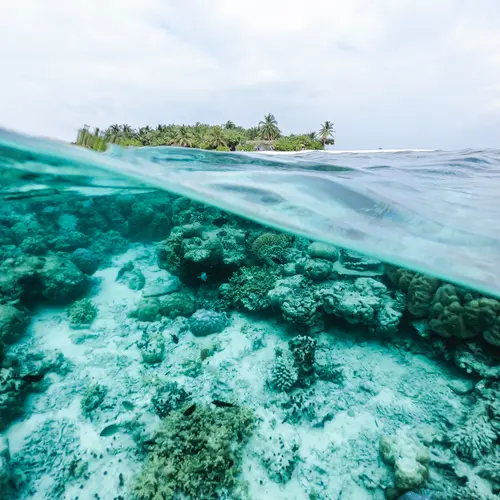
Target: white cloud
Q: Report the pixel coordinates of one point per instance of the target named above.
(388, 73)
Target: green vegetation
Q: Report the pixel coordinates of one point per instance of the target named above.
(228, 137)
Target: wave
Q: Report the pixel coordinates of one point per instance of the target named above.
(432, 211)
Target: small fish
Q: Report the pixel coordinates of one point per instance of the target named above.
(128, 405)
(222, 404)
(190, 410)
(109, 430)
(203, 276)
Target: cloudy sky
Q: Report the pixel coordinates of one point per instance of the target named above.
(388, 73)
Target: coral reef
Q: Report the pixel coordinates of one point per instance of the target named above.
(196, 453)
(192, 250)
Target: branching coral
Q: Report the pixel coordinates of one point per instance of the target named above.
(474, 439)
(196, 454)
(12, 388)
(283, 374)
(303, 349)
(82, 312)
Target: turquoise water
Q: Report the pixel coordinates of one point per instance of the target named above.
(182, 324)
(432, 211)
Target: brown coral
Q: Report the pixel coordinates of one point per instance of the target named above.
(447, 314)
(420, 294)
(399, 277)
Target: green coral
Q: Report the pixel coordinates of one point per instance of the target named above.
(177, 304)
(82, 312)
(148, 309)
(249, 287)
(198, 455)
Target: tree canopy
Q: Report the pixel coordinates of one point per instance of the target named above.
(226, 137)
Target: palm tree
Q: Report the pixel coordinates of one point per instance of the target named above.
(183, 137)
(127, 131)
(269, 128)
(229, 125)
(112, 134)
(144, 135)
(216, 138)
(253, 133)
(326, 132)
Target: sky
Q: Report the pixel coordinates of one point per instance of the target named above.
(387, 73)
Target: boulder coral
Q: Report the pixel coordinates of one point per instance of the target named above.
(270, 248)
(421, 291)
(204, 322)
(365, 301)
(409, 459)
(452, 315)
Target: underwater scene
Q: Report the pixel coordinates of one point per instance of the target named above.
(190, 325)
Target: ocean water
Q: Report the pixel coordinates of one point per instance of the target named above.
(177, 323)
